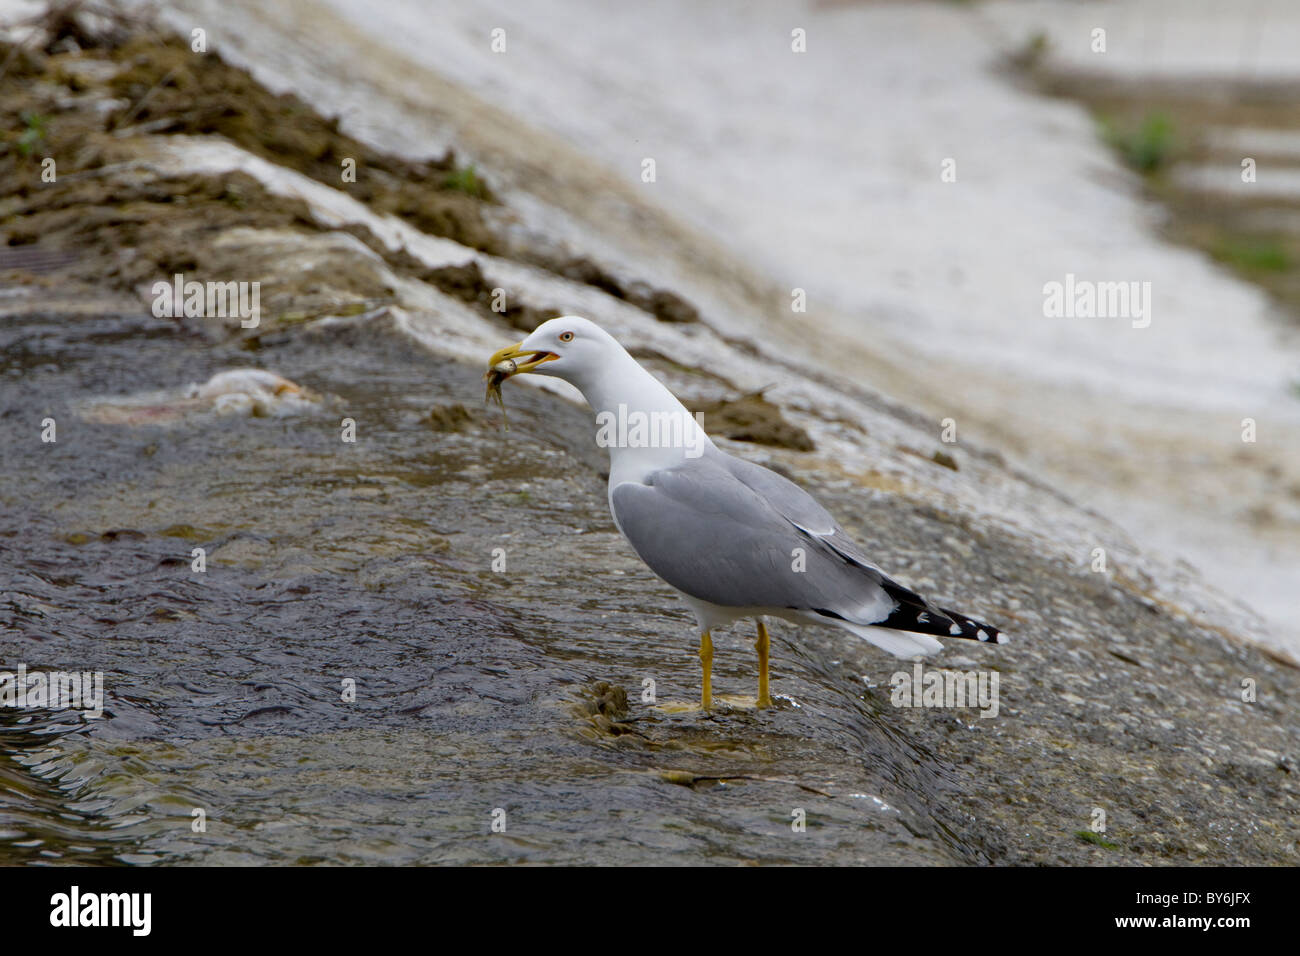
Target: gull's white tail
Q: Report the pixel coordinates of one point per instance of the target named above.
(898, 643)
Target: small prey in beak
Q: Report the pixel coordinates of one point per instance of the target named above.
(505, 363)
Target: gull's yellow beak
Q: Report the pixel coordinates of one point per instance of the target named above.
(511, 361)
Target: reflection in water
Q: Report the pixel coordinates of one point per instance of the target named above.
(41, 818)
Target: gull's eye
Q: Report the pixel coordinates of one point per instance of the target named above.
(566, 336)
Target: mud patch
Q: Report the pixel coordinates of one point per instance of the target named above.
(603, 706)
(752, 418)
(126, 231)
(171, 90)
(468, 284)
(450, 418)
(664, 305)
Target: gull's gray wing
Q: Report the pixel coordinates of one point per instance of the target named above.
(717, 538)
(795, 505)
(725, 530)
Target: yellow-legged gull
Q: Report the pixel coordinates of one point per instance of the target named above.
(736, 539)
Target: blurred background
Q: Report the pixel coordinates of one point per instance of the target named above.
(1114, 157)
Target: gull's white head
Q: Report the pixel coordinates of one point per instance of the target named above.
(638, 418)
(570, 347)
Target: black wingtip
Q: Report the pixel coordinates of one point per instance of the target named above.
(973, 630)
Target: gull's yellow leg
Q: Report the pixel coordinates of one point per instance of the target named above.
(763, 645)
(706, 661)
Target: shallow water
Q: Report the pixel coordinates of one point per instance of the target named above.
(372, 562)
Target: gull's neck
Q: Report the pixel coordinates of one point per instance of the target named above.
(618, 391)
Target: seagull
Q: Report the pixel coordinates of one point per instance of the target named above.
(734, 539)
